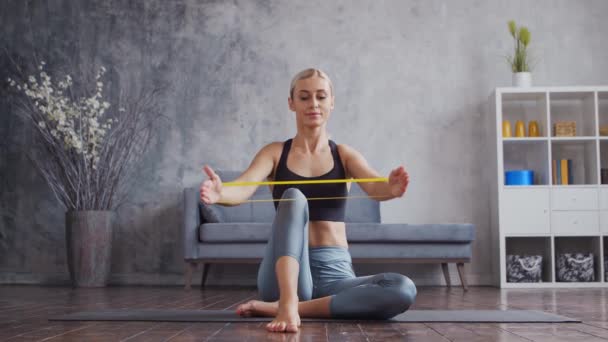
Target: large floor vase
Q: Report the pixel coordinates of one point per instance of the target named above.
(89, 247)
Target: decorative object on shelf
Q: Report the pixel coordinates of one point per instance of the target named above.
(604, 130)
(506, 129)
(87, 151)
(575, 267)
(524, 268)
(519, 177)
(604, 174)
(520, 129)
(533, 130)
(520, 61)
(565, 129)
(561, 172)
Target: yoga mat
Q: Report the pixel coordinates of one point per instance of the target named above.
(419, 316)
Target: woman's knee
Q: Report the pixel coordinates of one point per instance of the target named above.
(402, 292)
(294, 194)
(293, 199)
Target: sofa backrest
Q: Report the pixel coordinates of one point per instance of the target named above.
(357, 209)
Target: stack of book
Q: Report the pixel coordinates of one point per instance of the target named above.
(562, 171)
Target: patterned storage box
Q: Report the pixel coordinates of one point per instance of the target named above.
(573, 267)
(524, 268)
(565, 129)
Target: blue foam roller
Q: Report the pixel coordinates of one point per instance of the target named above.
(519, 177)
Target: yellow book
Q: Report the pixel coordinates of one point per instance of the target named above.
(564, 165)
(554, 169)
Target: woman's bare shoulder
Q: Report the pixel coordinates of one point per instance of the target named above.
(272, 149)
(346, 151)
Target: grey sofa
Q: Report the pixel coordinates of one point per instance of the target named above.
(219, 234)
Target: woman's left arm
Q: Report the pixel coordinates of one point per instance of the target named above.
(357, 167)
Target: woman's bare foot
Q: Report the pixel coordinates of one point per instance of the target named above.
(258, 308)
(287, 318)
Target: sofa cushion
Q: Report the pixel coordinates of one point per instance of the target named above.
(252, 232)
(209, 213)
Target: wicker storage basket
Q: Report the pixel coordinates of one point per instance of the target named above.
(604, 130)
(565, 129)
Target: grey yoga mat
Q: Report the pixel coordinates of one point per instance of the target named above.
(468, 316)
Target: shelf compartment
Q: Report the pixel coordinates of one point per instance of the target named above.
(575, 222)
(578, 244)
(526, 107)
(602, 111)
(604, 221)
(530, 246)
(527, 155)
(604, 161)
(525, 211)
(582, 154)
(573, 106)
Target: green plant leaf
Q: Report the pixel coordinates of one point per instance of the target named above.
(524, 36)
(512, 27)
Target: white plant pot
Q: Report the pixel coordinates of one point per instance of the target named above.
(522, 79)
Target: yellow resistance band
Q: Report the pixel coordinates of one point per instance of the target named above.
(316, 181)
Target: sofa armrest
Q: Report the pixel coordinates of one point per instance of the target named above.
(191, 222)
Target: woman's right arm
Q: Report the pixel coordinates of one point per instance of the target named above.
(259, 170)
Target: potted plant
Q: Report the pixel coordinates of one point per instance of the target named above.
(85, 148)
(520, 60)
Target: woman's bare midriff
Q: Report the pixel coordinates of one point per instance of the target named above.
(326, 233)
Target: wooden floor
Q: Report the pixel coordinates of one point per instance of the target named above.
(24, 311)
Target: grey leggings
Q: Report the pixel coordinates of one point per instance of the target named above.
(327, 271)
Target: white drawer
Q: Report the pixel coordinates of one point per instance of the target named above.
(525, 211)
(604, 221)
(575, 222)
(574, 199)
(603, 199)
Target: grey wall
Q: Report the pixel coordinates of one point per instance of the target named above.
(412, 79)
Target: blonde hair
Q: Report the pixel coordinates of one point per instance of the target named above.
(307, 74)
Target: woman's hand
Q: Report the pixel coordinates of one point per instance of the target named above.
(398, 181)
(211, 189)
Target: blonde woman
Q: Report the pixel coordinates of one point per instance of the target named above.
(307, 268)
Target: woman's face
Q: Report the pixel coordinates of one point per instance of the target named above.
(312, 101)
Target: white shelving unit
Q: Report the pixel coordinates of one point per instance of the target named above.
(544, 218)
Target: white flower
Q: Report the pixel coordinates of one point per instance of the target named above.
(99, 84)
(41, 124)
(121, 109)
(32, 79)
(43, 62)
(13, 84)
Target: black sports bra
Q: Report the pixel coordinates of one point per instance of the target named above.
(318, 210)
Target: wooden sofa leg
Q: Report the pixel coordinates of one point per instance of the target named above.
(463, 279)
(205, 273)
(446, 274)
(190, 267)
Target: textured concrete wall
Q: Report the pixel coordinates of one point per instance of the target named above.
(412, 79)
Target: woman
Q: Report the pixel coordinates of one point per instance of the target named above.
(307, 269)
